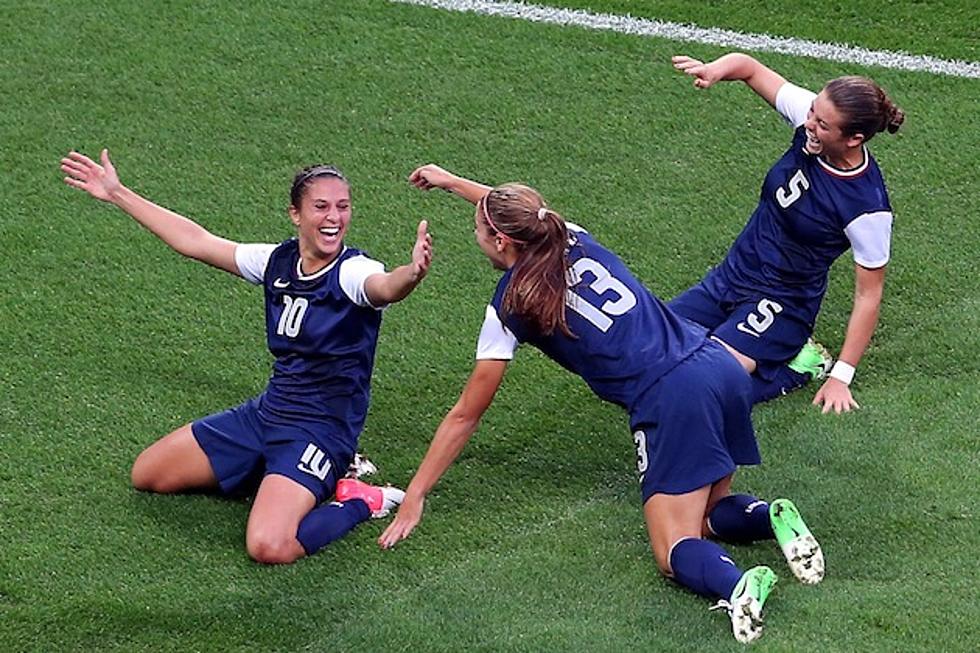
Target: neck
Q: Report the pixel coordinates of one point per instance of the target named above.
(850, 158)
(311, 264)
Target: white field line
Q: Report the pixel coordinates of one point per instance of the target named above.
(708, 35)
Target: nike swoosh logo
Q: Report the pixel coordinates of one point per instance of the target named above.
(279, 283)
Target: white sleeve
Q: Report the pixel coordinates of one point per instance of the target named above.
(496, 341)
(251, 260)
(793, 103)
(870, 235)
(354, 272)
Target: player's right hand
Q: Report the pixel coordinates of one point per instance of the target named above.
(99, 181)
(431, 176)
(704, 74)
(406, 519)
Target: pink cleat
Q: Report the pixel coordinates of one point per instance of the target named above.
(380, 500)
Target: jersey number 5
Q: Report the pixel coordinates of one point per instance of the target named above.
(796, 185)
(599, 316)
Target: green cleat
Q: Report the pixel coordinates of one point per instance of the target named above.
(799, 546)
(813, 359)
(745, 606)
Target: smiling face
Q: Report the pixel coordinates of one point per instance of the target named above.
(321, 221)
(824, 136)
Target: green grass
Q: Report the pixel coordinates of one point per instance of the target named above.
(534, 540)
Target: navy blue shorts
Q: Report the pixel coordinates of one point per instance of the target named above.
(768, 330)
(243, 447)
(694, 426)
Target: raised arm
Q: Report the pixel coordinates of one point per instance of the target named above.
(733, 67)
(452, 435)
(183, 235)
(835, 393)
(432, 176)
(394, 286)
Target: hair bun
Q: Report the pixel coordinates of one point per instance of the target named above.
(895, 118)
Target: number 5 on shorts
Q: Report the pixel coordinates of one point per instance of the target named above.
(756, 323)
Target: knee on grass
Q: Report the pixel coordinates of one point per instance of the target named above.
(273, 548)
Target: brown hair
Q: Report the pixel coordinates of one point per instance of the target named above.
(536, 291)
(865, 107)
(305, 177)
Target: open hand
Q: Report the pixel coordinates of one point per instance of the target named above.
(835, 395)
(406, 519)
(422, 251)
(99, 181)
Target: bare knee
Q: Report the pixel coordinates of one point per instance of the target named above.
(147, 477)
(273, 549)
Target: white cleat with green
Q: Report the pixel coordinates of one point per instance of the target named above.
(747, 601)
(801, 549)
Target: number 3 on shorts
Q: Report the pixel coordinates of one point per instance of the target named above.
(642, 461)
(757, 322)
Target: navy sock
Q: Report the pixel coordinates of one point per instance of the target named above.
(783, 380)
(329, 522)
(740, 519)
(704, 568)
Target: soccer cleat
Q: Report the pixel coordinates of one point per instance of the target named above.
(748, 598)
(799, 546)
(380, 500)
(813, 359)
(361, 466)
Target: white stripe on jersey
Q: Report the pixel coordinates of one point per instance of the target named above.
(870, 235)
(496, 341)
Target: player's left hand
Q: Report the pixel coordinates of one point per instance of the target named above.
(406, 519)
(422, 251)
(835, 395)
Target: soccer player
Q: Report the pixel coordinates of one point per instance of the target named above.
(323, 304)
(825, 195)
(688, 399)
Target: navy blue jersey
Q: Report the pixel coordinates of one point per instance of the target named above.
(323, 341)
(809, 213)
(625, 337)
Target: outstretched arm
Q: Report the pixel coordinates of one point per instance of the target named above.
(835, 393)
(182, 234)
(432, 176)
(450, 438)
(733, 67)
(394, 286)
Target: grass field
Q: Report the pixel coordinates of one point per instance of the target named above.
(534, 540)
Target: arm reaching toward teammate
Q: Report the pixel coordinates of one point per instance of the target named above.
(182, 234)
(394, 286)
(732, 67)
(432, 176)
(452, 435)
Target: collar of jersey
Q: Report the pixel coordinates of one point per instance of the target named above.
(319, 273)
(850, 172)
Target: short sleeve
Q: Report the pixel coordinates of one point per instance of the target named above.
(871, 235)
(354, 271)
(251, 259)
(793, 103)
(496, 341)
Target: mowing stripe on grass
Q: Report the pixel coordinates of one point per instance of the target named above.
(708, 35)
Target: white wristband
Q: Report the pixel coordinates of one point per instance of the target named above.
(843, 372)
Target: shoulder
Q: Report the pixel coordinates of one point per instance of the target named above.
(353, 271)
(252, 259)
